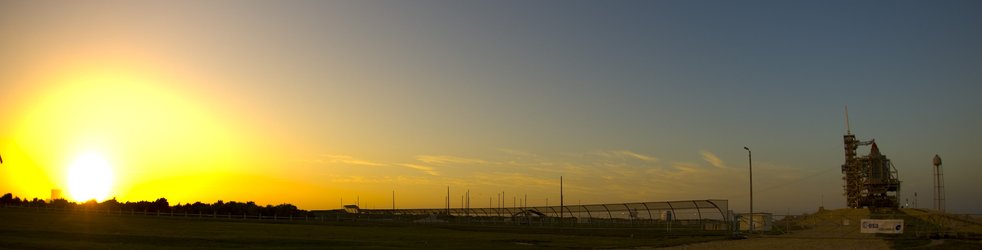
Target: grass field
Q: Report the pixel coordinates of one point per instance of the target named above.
(38, 229)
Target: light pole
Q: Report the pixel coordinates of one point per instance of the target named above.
(750, 159)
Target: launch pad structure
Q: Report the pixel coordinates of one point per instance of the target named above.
(871, 180)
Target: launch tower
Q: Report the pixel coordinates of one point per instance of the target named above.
(870, 180)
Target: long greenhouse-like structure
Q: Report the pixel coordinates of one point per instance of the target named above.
(705, 214)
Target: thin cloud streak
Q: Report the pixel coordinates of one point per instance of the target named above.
(713, 159)
(347, 159)
(351, 160)
(426, 169)
(446, 159)
(627, 154)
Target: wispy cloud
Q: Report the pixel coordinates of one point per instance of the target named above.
(713, 159)
(426, 169)
(351, 160)
(686, 167)
(358, 179)
(347, 159)
(517, 152)
(627, 154)
(446, 159)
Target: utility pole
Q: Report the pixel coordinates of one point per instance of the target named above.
(562, 206)
(525, 211)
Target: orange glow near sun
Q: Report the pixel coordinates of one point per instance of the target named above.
(112, 130)
(90, 177)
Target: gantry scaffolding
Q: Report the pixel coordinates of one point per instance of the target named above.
(870, 180)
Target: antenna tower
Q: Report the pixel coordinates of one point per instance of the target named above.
(939, 203)
(848, 130)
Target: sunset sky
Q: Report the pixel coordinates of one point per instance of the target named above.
(312, 102)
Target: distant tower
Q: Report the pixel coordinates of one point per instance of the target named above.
(55, 194)
(938, 185)
(850, 169)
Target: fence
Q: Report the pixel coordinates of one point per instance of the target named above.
(670, 216)
(691, 214)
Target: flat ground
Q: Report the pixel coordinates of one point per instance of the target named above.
(33, 229)
(22, 228)
(827, 231)
(839, 229)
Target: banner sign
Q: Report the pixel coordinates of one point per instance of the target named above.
(868, 226)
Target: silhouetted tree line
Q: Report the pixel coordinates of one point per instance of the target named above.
(161, 205)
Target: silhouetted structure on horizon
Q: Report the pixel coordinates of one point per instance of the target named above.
(939, 203)
(871, 180)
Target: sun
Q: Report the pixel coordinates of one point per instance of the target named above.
(90, 177)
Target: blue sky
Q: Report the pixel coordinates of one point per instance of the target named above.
(655, 98)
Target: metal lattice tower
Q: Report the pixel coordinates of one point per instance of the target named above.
(870, 180)
(939, 203)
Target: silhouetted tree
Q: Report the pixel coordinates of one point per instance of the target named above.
(110, 204)
(162, 205)
(37, 203)
(60, 203)
(7, 199)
